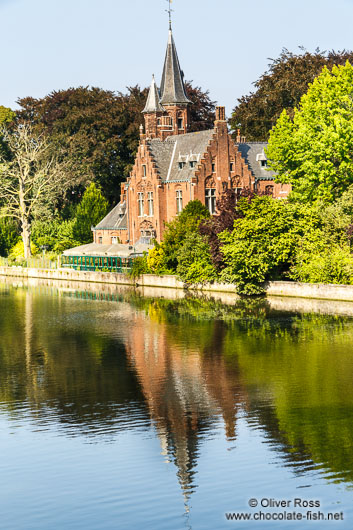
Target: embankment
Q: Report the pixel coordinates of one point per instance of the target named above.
(287, 289)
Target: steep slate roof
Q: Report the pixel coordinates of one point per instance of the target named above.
(172, 84)
(250, 152)
(152, 103)
(116, 219)
(184, 148)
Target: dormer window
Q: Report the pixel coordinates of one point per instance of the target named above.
(192, 163)
(181, 165)
(261, 158)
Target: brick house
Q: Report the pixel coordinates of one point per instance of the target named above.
(174, 166)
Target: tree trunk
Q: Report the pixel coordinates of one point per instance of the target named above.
(26, 238)
(26, 226)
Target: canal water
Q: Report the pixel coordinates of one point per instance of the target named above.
(122, 409)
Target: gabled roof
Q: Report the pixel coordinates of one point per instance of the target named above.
(184, 148)
(116, 219)
(152, 103)
(253, 153)
(172, 84)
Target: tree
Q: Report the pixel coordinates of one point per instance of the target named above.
(96, 130)
(313, 151)
(194, 260)
(202, 109)
(31, 181)
(90, 211)
(262, 245)
(164, 257)
(281, 87)
(224, 220)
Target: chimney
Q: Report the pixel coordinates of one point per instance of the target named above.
(240, 139)
(220, 114)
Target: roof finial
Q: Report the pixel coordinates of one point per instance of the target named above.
(170, 11)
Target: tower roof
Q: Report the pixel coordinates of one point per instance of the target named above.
(152, 103)
(172, 84)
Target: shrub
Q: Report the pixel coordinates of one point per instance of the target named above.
(139, 267)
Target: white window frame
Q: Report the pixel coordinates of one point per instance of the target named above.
(179, 200)
(210, 199)
(141, 204)
(150, 203)
(114, 240)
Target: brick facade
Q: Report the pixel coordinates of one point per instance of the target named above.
(173, 167)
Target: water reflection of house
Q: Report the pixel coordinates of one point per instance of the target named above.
(186, 390)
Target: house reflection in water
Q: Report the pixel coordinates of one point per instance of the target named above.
(186, 390)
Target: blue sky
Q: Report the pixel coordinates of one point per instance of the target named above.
(223, 45)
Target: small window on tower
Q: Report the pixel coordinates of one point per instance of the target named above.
(213, 167)
(144, 172)
(232, 166)
(158, 122)
(180, 123)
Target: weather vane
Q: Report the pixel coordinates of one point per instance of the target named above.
(170, 11)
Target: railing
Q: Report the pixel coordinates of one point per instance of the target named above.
(32, 263)
(100, 263)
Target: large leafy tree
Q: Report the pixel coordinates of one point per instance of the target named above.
(262, 245)
(281, 87)
(313, 151)
(98, 130)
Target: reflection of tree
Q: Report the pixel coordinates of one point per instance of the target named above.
(52, 354)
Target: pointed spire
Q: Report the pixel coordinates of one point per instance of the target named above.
(152, 104)
(172, 84)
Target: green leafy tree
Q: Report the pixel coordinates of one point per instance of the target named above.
(313, 151)
(164, 257)
(263, 243)
(194, 260)
(56, 234)
(90, 211)
(281, 87)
